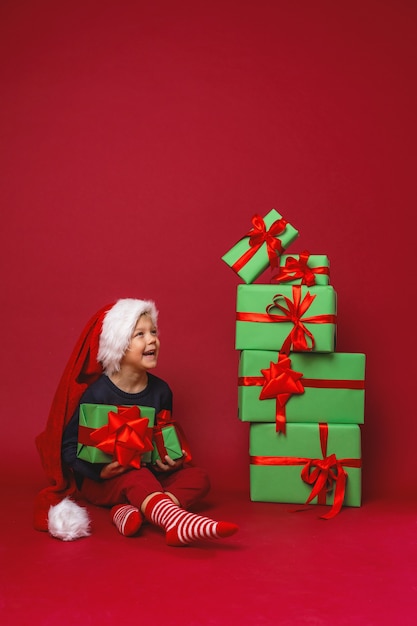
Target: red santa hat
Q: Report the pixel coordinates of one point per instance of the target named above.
(99, 349)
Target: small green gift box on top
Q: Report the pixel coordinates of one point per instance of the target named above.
(109, 432)
(301, 387)
(313, 463)
(303, 269)
(293, 318)
(261, 246)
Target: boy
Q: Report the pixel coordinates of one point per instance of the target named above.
(125, 340)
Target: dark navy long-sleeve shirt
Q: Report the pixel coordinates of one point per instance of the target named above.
(157, 394)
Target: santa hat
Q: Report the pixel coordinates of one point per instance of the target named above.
(99, 348)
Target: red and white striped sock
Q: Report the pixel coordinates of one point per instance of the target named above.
(126, 518)
(183, 527)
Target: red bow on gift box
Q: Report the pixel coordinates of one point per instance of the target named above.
(325, 473)
(281, 382)
(259, 235)
(295, 269)
(163, 419)
(126, 436)
(300, 338)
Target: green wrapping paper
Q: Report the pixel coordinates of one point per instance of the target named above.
(171, 443)
(333, 387)
(283, 482)
(303, 269)
(94, 416)
(262, 325)
(251, 255)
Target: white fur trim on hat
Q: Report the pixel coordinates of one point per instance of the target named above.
(118, 326)
(68, 521)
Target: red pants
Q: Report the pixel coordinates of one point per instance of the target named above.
(188, 484)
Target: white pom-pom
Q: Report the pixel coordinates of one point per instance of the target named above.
(68, 521)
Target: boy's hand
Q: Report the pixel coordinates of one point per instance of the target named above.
(113, 469)
(170, 465)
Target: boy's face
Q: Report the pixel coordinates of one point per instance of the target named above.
(143, 350)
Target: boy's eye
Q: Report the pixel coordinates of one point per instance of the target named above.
(141, 333)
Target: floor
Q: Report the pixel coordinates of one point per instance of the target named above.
(283, 567)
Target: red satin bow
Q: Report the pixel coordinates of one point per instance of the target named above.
(299, 269)
(323, 473)
(297, 338)
(281, 382)
(164, 418)
(126, 436)
(259, 235)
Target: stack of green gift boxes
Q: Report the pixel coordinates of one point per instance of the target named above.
(304, 401)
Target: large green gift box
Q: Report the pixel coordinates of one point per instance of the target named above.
(315, 463)
(303, 269)
(286, 317)
(301, 387)
(261, 246)
(133, 430)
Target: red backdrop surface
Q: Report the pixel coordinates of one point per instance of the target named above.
(139, 138)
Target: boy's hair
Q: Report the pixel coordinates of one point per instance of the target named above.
(118, 326)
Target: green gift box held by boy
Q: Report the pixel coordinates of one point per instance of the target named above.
(111, 364)
(169, 438)
(107, 433)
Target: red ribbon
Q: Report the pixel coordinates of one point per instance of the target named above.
(322, 474)
(163, 419)
(281, 382)
(297, 338)
(126, 436)
(259, 235)
(298, 269)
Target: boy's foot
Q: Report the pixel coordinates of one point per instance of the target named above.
(183, 527)
(127, 519)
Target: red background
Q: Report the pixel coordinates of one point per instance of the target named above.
(139, 138)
